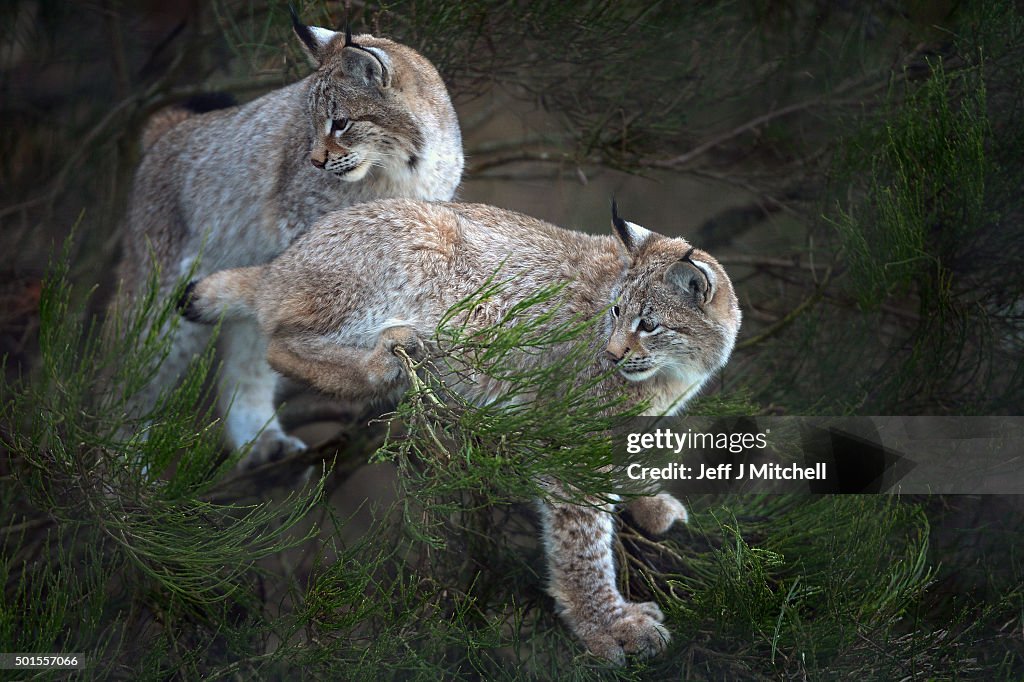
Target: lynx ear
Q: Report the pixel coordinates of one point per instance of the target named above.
(365, 65)
(630, 234)
(314, 39)
(692, 278)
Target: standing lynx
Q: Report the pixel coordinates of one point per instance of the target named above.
(238, 185)
(380, 275)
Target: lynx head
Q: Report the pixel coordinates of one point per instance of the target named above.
(675, 314)
(375, 103)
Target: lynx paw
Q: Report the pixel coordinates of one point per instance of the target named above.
(404, 338)
(390, 368)
(657, 513)
(635, 630)
(271, 446)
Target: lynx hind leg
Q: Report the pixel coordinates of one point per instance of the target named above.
(578, 540)
(657, 513)
(246, 396)
(350, 373)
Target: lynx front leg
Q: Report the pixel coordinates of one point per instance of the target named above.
(246, 395)
(350, 373)
(578, 541)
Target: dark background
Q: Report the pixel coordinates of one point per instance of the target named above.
(855, 166)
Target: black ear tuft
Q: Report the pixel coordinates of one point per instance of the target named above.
(304, 34)
(620, 227)
(300, 29)
(375, 71)
(184, 304)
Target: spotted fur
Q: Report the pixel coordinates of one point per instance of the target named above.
(240, 184)
(373, 277)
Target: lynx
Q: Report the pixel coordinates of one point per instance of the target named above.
(375, 277)
(238, 185)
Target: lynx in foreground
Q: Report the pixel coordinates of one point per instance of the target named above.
(377, 276)
(238, 185)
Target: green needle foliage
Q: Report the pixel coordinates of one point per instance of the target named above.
(541, 425)
(152, 574)
(920, 310)
(107, 510)
(928, 168)
(879, 144)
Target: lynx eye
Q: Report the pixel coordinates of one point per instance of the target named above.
(340, 126)
(647, 325)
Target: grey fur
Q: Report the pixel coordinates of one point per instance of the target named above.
(238, 185)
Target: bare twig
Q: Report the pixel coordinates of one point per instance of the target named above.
(518, 157)
(493, 146)
(701, 149)
(743, 184)
(769, 262)
(871, 83)
(85, 143)
(484, 116)
(788, 319)
(113, 24)
(233, 488)
(26, 525)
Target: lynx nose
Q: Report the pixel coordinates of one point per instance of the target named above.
(319, 163)
(616, 351)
